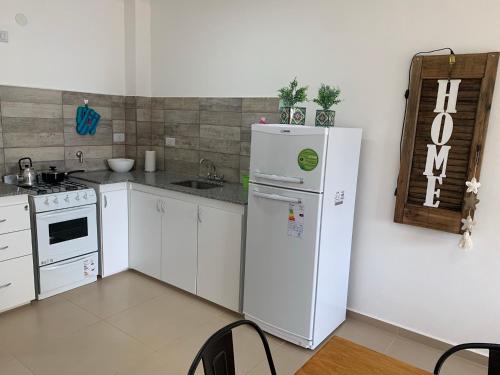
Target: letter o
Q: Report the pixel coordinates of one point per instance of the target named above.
(436, 128)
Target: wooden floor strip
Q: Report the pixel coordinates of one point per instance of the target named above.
(343, 357)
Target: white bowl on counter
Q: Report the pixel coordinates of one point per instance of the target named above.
(121, 165)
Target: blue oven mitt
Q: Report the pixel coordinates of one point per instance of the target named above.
(86, 120)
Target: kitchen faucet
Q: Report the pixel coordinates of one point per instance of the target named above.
(79, 155)
(212, 172)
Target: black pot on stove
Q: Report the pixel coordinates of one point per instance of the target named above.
(53, 176)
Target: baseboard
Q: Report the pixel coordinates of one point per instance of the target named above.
(409, 334)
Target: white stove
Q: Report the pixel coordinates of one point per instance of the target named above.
(64, 223)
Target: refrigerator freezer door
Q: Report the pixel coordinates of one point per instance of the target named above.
(288, 156)
(281, 260)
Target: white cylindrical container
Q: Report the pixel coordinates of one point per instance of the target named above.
(150, 161)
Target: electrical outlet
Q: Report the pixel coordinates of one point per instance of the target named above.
(169, 141)
(118, 137)
(4, 36)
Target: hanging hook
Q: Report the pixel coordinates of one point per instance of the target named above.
(451, 62)
(86, 102)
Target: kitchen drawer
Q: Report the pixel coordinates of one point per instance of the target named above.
(14, 218)
(15, 244)
(17, 286)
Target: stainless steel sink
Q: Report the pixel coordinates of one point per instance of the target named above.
(196, 184)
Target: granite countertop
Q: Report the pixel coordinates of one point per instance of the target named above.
(8, 190)
(229, 192)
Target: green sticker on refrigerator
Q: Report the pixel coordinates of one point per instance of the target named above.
(307, 159)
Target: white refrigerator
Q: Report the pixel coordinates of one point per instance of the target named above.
(300, 217)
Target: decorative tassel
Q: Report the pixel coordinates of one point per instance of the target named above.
(466, 241)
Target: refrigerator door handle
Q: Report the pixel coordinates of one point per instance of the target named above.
(274, 177)
(276, 197)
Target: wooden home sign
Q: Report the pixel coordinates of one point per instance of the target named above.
(444, 136)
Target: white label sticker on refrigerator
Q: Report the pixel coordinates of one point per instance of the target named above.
(296, 220)
(339, 198)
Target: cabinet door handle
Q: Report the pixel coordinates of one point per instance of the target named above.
(5, 285)
(4, 247)
(158, 205)
(199, 216)
(3, 220)
(105, 201)
(163, 206)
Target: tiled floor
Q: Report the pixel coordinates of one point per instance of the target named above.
(129, 324)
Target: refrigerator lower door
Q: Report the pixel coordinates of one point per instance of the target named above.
(281, 261)
(289, 156)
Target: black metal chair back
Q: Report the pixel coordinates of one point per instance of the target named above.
(217, 353)
(493, 361)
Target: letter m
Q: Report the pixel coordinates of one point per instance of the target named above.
(440, 160)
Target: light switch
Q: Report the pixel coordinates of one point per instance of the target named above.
(4, 36)
(169, 141)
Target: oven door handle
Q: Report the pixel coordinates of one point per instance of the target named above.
(62, 264)
(62, 212)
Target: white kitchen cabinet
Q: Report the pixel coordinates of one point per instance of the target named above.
(145, 226)
(219, 256)
(17, 284)
(190, 242)
(15, 244)
(14, 217)
(114, 231)
(179, 248)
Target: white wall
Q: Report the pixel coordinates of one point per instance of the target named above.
(138, 47)
(143, 47)
(67, 44)
(412, 277)
(130, 50)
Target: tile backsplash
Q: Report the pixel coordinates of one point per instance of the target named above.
(40, 123)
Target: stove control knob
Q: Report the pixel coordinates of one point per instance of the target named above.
(56, 201)
(46, 201)
(85, 196)
(77, 197)
(66, 199)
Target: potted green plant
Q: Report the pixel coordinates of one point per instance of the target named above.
(327, 96)
(289, 97)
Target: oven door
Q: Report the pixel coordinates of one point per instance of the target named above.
(66, 233)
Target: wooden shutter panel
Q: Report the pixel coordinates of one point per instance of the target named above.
(477, 73)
